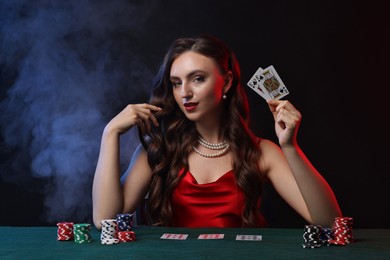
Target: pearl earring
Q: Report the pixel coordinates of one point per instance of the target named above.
(224, 96)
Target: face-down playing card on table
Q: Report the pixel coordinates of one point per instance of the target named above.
(211, 236)
(174, 236)
(249, 237)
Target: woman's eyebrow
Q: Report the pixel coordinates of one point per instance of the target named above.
(189, 75)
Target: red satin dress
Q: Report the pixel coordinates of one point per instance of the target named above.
(215, 204)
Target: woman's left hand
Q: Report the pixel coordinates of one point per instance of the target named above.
(287, 120)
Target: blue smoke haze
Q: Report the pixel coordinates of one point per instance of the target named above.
(76, 64)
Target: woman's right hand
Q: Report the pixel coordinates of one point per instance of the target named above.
(134, 114)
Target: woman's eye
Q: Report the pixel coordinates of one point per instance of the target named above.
(175, 84)
(199, 79)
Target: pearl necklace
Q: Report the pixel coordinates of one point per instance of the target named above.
(223, 147)
(212, 146)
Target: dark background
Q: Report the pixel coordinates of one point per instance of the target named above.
(67, 67)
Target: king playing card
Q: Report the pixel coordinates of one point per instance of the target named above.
(268, 84)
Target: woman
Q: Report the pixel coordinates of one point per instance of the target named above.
(199, 162)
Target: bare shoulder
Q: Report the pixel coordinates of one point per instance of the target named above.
(268, 147)
(265, 143)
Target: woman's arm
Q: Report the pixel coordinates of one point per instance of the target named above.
(318, 195)
(299, 184)
(292, 174)
(107, 194)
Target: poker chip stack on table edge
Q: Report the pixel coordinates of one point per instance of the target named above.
(316, 236)
(125, 227)
(109, 232)
(311, 236)
(326, 235)
(342, 231)
(82, 233)
(117, 230)
(65, 231)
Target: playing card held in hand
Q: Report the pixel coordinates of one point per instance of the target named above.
(268, 84)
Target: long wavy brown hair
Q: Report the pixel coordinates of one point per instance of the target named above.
(169, 145)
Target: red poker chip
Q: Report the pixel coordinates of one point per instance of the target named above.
(65, 231)
(126, 236)
(342, 231)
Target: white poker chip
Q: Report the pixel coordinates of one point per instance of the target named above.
(110, 241)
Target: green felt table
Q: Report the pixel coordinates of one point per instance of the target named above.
(41, 243)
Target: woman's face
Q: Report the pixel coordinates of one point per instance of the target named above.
(197, 85)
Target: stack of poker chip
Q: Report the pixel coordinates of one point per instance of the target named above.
(326, 235)
(108, 235)
(311, 236)
(65, 231)
(82, 233)
(125, 226)
(342, 231)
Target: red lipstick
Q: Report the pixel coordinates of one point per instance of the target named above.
(190, 106)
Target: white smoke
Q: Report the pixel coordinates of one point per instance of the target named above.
(76, 66)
